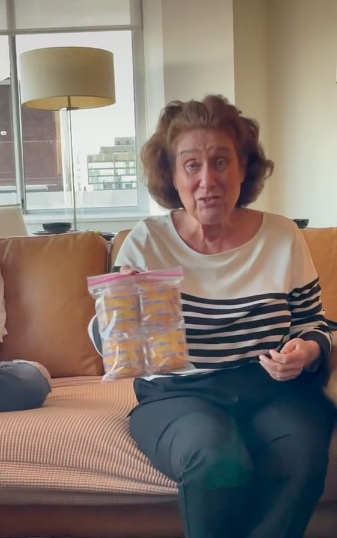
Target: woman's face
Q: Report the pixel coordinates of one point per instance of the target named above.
(208, 175)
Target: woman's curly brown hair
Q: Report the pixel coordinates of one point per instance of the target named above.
(213, 112)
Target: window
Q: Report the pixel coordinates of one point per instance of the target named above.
(8, 193)
(105, 140)
(96, 133)
(48, 14)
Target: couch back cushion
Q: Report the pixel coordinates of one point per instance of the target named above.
(322, 243)
(47, 302)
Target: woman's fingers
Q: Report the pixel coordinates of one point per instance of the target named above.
(279, 372)
(127, 270)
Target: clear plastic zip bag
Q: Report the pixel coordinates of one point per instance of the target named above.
(140, 323)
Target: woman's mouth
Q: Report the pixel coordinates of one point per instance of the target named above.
(210, 201)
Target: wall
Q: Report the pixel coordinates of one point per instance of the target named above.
(251, 72)
(285, 55)
(189, 52)
(303, 109)
(154, 61)
(195, 47)
(198, 48)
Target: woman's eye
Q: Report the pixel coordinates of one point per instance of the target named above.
(192, 167)
(221, 164)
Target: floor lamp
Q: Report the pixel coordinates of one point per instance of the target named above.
(69, 78)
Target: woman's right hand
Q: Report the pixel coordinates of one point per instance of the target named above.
(127, 270)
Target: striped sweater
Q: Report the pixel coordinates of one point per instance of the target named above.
(243, 302)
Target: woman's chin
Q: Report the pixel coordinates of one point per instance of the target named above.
(210, 218)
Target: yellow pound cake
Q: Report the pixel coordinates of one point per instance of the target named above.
(122, 304)
(159, 303)
(123, 358)
(166, 351)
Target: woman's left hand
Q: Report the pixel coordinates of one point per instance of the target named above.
(289, 363)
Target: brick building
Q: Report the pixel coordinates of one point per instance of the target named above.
(41, 146)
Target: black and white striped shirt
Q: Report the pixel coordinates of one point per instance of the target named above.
(243, 302)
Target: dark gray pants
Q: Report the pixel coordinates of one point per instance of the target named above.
(249, 454)
(22, 386)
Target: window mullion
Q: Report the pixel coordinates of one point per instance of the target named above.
(139, 97)
(16, 110)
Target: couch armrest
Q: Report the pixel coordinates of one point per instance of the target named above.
(331, 324)
(331, 385)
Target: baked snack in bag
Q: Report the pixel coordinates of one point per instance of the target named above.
(140, 323)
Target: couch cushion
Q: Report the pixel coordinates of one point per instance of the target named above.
(77, 449)
(331, 385)
(47, 302)
(330, 492)
(3, 331)
(322, 243)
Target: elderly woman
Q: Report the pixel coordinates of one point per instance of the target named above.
(245, 432)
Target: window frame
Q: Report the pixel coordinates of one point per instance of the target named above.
(138, 63)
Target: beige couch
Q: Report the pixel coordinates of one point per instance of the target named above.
(70, 468)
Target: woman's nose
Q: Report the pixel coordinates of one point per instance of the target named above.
(207, 176)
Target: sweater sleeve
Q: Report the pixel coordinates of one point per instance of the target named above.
(307, 315)
(133, 249)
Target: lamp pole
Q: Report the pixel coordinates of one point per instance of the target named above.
(71, 157)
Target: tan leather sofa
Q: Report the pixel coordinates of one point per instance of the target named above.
(48, 311)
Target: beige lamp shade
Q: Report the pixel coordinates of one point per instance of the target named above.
(67, 77)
